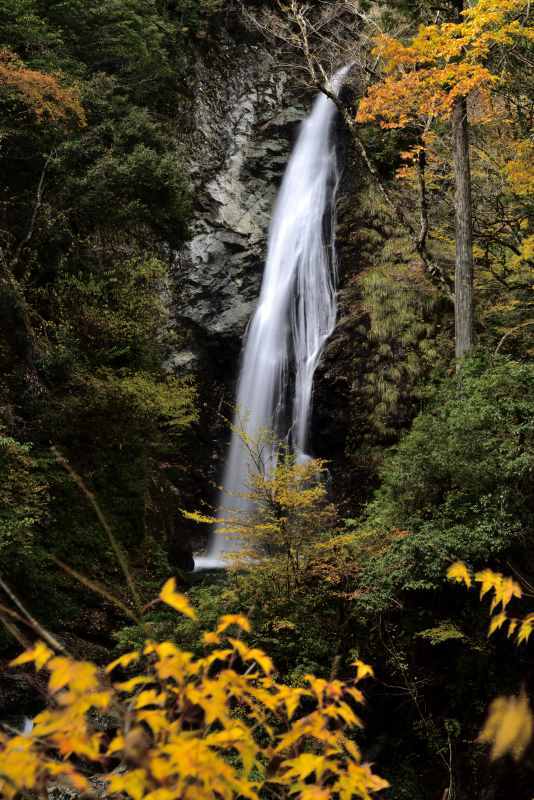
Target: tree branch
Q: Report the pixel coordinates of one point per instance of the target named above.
(37, 205)
(423, 200)
(31, 621)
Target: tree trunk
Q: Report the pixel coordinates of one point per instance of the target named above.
(463, 281)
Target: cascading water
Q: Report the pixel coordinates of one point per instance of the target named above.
(295, 315)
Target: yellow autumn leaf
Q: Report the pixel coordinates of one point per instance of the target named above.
(313, 793)
(175, 600)
(459, 573)
(79, 676)
(76, 780)
(525, 629)
(363, 670)
(228, 620)
(291, 698)
(38, 655)
(116, 745)
(348, 716)
(127, 686)
(508, 728)
(124, 661)
(488, 580)
(261, 659)
(304, 765)
(497, 622)
(357, 781)
(355, 694)
(150, 697)
(156, 720)
(210, 637)
(132, 782)
(196, 516)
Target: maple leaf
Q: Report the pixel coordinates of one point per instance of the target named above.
(508, 727)
(363, 670)
(79, 676)
(233, 619)
(497, 622)
(38, 655)
(123, 661)
(304, 765)
(459, 573)
(175, 600)
(525, 628)
(488, 580)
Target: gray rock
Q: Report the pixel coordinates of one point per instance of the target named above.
(61, 791)
(244, 119)
(183, 361)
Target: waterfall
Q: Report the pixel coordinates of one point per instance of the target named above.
(295, 315)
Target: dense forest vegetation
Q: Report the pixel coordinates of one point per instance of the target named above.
(424, 428)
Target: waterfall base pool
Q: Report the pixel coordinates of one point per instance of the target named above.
(209, 563)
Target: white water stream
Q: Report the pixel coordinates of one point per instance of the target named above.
(295, 315)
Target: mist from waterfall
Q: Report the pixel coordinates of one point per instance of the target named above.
(295, 315)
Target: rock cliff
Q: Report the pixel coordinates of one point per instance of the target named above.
(245, 116)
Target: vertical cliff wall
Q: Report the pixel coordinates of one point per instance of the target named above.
(244, 116)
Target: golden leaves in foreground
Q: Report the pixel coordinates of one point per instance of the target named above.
(508, 727)
(459, 573)
(503, 590)
(219, 726)
(175, 600)
(510, 724)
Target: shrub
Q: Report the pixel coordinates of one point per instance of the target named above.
(220, 725)
(461, 482)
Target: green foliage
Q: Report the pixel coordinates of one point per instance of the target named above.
(121, 171)
(24, 29)
(395, 340)
(89, 216)
(460, 482)
(23, 500)
(114, 317)
(403, 337)
(446, 631)
(475, 441)
(125, 407)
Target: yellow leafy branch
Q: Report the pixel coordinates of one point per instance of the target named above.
(195, 728)
(510, 724)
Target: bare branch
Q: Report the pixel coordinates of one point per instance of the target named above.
(103, 521)
(31, 621)
(423, 200)
(36, 206)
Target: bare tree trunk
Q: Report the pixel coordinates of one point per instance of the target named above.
(463, 280)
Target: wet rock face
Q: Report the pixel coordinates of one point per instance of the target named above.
(244, 123)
